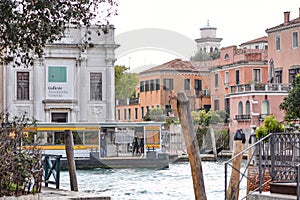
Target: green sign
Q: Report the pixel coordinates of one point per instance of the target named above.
(57, 74)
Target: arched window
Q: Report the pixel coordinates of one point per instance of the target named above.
(247, 108)
(211, 49)
(265, 108)
(226, 56)
(204, 49)
(216, 49)
(240, 108)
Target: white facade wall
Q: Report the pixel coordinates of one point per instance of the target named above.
(71, 97)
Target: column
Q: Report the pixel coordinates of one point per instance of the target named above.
(38, 89)
(83, 93)
(110, 90)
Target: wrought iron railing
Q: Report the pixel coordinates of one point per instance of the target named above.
(243, 117)
(274, 158)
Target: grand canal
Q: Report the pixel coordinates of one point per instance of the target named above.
(173, 183)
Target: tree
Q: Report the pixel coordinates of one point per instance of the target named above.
(291, 103)
(28, 25)
(203, 56)
(270, 125)
(125, 83)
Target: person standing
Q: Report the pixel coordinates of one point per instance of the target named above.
(142, 146)
(135, 145)
(103, 146)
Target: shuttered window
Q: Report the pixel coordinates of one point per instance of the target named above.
(22, 85)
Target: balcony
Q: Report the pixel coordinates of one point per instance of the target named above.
(243, 117)
(260, 87)
(128, 101)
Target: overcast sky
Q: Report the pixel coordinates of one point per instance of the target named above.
(237, 21)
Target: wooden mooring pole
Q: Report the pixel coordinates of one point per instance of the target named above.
(184, 110)
(70, 159)
(238, 146)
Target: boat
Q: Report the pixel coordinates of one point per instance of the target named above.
(102, 145)
(210, 151)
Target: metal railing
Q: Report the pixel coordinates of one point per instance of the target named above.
(273, 158)
(52, 167)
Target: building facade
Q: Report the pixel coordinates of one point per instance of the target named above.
(159, 86)
(235, 77)
(72, 82)
(284, 51)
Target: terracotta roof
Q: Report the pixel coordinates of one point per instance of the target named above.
(257, 40)
(173, 65)
(291, 22)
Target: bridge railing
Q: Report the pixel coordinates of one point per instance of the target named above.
(273, 158)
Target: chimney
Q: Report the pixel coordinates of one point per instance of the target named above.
(286, 17)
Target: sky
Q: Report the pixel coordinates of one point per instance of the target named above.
(237, 21)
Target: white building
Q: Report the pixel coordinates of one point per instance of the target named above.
(73, 82)
(208, 42)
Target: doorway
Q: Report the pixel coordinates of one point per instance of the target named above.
(59, 117)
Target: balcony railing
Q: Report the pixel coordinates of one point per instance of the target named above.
(243, 117)
(260, 87)
(126, 102)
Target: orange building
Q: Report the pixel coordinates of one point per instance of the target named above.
(159, 85)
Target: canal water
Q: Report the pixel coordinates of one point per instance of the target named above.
(148, 184)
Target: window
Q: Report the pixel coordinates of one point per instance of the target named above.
(293, 72)
(22, 85)
(146, 86)
(135, 113)
(147, 110)
(237, 76)
(124, 114)
(157, 84)
(96, 86)
(198, 85)
(247, 108)
(265, 107)
(295, 39)
(168, 84)
(277, 42)
(217, 106)
(211, 50)
(240, 108)
(226, 57)
(187, 83)
(142, 89)
(142, 111)
(216, 80)
(119, 114)
(256, 75)
(278, 76)
(226, 78)
(151, 85)
(256, 47)
(129, 114)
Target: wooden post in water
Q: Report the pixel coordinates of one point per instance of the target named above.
(238, 146)
(184, 110)
(213, 142)
(70, 159)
